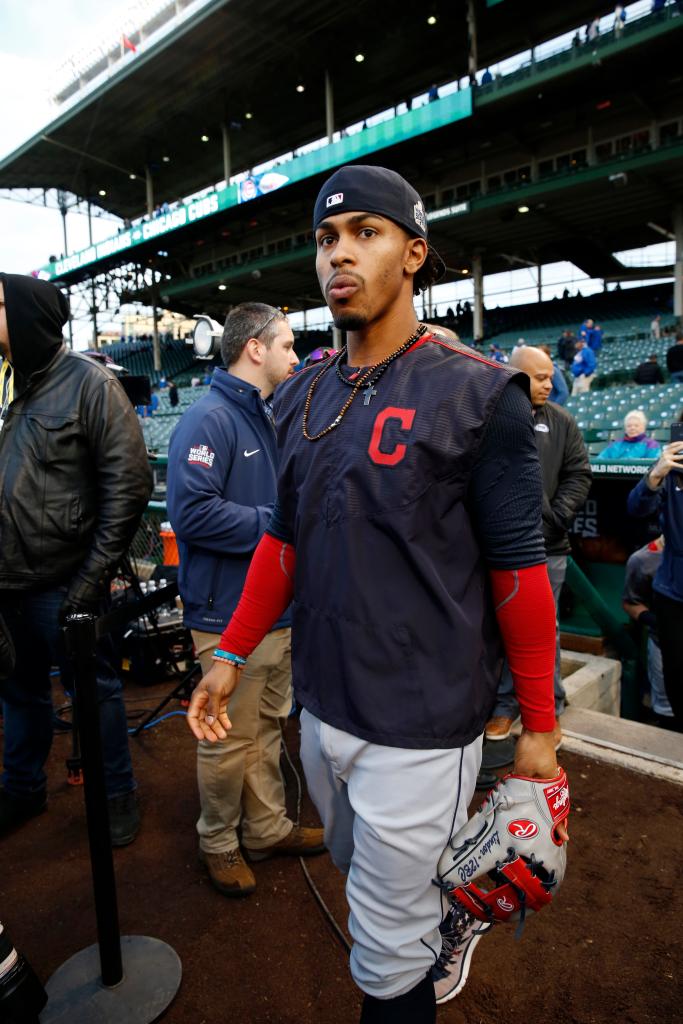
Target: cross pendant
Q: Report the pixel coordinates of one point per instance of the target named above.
(369, 393)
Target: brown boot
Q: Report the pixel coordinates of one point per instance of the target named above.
(301, 842)
(498, 728)
(229, 873)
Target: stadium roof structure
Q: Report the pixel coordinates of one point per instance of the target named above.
(512, 171)
(231, 60)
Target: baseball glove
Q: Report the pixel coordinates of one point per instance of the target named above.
(512, 838)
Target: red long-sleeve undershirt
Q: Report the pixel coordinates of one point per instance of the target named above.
(525, 611)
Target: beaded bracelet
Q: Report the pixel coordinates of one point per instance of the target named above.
(235, 659)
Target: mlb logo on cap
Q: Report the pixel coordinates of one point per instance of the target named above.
(419, 214)
(334, 200)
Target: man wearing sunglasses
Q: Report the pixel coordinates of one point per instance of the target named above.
(222, 475)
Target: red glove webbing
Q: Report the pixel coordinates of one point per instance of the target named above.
(268, 591)
(525, 610)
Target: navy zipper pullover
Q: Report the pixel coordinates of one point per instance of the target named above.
(221, 487)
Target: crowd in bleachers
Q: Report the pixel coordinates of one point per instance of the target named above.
(599, 411)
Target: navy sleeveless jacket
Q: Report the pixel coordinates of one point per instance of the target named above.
(394, 634)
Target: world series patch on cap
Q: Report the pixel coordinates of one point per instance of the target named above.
(364, 188)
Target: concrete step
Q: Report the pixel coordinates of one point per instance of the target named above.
(646, 742)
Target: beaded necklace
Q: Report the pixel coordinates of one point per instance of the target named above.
(367, 380)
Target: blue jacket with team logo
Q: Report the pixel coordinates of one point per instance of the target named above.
(221, 486)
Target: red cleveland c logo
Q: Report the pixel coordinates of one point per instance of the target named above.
(405, 418)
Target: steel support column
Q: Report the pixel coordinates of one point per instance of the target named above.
(329, 108)
(678, 265)
(478, 281)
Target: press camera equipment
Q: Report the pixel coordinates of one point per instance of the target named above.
(22, 996)
(137, 387)
(206, 337)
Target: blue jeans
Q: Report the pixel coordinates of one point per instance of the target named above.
(677, 375)
(506, 702)
(33, 622)
(655, 673)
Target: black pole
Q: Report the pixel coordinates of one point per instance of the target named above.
(80, 643)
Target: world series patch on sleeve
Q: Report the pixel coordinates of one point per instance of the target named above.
(513, 840)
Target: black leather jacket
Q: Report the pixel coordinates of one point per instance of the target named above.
(74, 478)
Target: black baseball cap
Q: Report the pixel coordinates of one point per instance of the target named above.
(372, 189)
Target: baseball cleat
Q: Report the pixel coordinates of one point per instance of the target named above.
(460, 933)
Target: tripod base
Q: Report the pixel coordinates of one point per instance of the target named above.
(151, 978)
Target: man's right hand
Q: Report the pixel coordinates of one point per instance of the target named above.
(207, 715)
(671, 458)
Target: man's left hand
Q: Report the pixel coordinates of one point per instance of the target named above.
(81, 598)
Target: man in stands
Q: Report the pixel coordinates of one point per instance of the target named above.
(674, 358)
(583, 367)
(649, 372)
(585, 331)
(656, 327)
(566, 347)
(73, 484)
(566, 481)
(222, 475)
(560, 392)
(595, 340)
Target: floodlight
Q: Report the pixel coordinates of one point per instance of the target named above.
(102, 192)
(359, 58)
(166, 159)
(300, 87)
(431, 20)
(206, 337)
(522, 209)
(205, 138)
(133, 177)
(248, 115)
(222, 287)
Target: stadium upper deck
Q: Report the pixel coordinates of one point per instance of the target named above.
(534, 168)
(230, 60)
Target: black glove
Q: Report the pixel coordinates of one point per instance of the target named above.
(82, 597)
(7, 652)
(649, 619)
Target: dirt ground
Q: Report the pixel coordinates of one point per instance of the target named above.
(610, 948)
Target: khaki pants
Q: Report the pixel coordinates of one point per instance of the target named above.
(582, 384)
(239, 777)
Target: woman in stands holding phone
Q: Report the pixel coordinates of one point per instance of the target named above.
(661, 490)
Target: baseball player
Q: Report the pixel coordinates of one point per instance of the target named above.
(407, 532)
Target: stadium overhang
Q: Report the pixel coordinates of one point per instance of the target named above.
(221, 250)
(231, 74)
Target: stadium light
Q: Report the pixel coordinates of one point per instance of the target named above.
(431, 20)
(102, 192)
(248, 115)
(133, 177)
(300, 87)
(359, 58)
(165, 159)
(222, 287)
(206, 337)
(522, 209)
(205, 138)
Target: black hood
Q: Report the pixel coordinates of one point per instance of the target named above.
(36, 314)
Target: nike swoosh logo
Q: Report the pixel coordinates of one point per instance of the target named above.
(247, 454)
